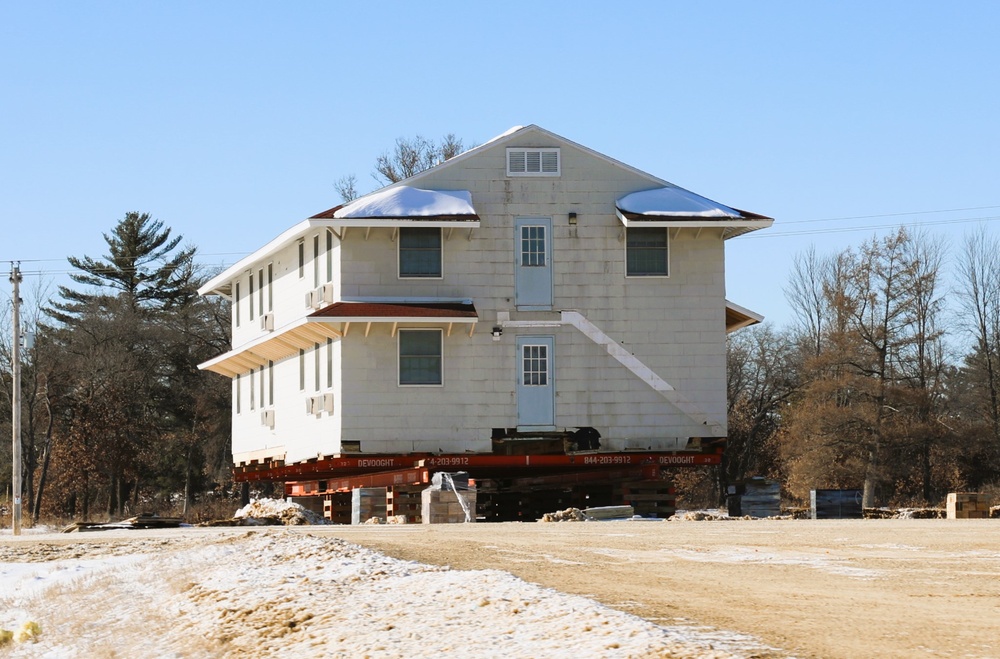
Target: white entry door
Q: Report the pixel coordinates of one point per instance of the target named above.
(533, 263)
(536, 383)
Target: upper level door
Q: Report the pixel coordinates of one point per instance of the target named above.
(533, 263)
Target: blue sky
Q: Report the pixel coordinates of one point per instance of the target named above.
(231, 121)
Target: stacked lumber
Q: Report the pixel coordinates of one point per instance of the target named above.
(649, 498)
(367, 502)
(609, 512)
(403, 501)
(337, 507)
(446, 507)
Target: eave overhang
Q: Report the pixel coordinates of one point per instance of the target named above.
(731, 227)
(221, 284)
(334, 322)
(738, 317)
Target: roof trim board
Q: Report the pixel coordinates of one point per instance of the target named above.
(738, 317)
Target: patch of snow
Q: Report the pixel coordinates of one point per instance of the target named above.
(32, 530)
(674, 202)
(279, 511)
(282, 594)
(749, 555)
(404, 201)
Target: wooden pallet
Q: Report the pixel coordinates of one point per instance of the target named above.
(404, 500)
(650, 498)
(337, 507)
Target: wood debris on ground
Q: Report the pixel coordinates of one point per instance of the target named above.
(142, 521)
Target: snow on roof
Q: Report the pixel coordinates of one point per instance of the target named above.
(404, 201)
(672, 201)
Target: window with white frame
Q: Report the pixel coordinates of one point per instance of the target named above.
(316, 367)
(270, 382)
(250, 296)
(420, 252)
(646, 252)
(270, 287)
(315, 260)
(329, 255)
(260, 291)
(329, 363)
(533, 162)
(236, 304)
(420, 357)
(302, 369)
(260, 373)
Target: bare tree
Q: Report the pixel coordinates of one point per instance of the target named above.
(347, 187)
(979, 297)
(804, 292)
(760, 380)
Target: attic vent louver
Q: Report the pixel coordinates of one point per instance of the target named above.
(533, 162)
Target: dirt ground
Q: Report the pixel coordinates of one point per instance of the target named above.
(845, 588)
(824, 589)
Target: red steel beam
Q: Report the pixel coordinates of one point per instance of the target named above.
(339, 467)
(348, 483)
(586, 460)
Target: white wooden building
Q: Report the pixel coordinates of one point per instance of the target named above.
(527, 285)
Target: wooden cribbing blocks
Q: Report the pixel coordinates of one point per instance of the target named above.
(968, 505)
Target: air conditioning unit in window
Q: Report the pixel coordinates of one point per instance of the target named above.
(310, 300)
(328, 403)
(267, 418)
(314, 405)
(322, 295)
(267, 322)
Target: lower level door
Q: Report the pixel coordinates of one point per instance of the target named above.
(536, 382)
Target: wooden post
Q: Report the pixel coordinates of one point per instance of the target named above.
(15, 279)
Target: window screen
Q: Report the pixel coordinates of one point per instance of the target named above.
(420, 357)
(646, 252)
(419, 252)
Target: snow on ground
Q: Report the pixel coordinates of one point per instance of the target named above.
(269, 592)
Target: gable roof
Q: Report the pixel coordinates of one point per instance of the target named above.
(343, 215)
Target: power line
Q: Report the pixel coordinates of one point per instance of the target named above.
(869, 217)
(868, 227)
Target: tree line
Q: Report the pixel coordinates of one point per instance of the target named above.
(887, 380)
(116, 416)
(115, 412)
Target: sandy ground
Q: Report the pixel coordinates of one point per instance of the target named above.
(844, 588)
(872, 588)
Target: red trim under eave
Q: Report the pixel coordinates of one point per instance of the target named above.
(397, 310)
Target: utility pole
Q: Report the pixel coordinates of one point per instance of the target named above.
(15, 279)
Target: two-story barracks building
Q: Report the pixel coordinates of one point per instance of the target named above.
(523, 290)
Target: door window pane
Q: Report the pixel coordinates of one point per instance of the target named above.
(533, 246)
(535, 365)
